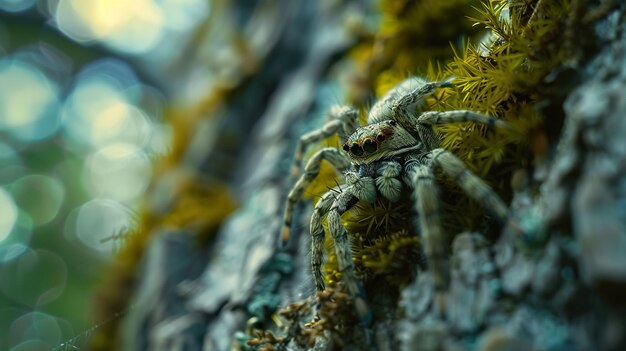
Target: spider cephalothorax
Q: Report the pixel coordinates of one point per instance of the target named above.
(398, 145)
(379, 141)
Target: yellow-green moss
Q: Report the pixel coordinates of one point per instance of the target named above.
(383, 242)
(410, 35)
(499, 76)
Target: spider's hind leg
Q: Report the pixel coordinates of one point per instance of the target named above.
(403, 109)
(342, 120)
(428, 207)
(471, 184)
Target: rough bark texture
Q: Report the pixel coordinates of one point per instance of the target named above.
(560, 287)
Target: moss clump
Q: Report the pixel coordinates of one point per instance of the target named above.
(502, 75)
(385, 245)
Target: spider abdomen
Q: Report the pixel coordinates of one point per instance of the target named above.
(382, 108)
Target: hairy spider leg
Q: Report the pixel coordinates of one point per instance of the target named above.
(317, 235)
(335, 157)
(388, 185)
(428, 210)
(421, 175)
(352, 284)
(471, 184)
(341, 120)
(426, 120)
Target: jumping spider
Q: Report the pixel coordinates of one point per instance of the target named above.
(397, 145)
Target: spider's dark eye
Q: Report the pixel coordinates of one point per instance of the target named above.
(392, 122)
(381, 137)
(356, 149)
(346, 148)
(370, 146)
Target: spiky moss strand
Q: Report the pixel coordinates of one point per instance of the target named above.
(502, 77)
(392, 257)
(381, 217)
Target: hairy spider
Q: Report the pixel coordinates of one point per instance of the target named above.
(398, 144)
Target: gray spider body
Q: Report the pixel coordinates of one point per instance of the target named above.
(379, 141)
(398, 145)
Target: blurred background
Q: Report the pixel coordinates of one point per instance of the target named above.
(84, 86)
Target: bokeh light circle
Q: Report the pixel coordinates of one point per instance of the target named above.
(15, 228)
(98, 222)
(35, 330)
(120, 171)
(101, 111)
(39, 196)
(17, 283)
(9, 211)
(133, 27)
(16, 5)
(28, 101)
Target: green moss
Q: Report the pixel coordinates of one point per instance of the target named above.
(384, 242)
(410, 36)
(499, 75)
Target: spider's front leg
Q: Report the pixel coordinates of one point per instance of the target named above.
(431, 137)
(317, 235)
(428, 209)
(403, 111)
(361, 188)
(342, 120)
(338, 232)
(337, 159)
